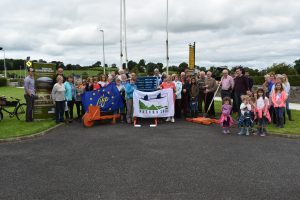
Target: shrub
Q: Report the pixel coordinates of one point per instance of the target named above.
(3, 82)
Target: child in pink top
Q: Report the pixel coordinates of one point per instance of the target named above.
(226, 120)
(279, 98)
(262, 112)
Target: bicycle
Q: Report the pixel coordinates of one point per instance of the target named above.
(19, 108)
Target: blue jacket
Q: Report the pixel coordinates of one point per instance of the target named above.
(69, 94)
(129, 88)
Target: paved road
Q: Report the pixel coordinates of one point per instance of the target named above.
(178, 161)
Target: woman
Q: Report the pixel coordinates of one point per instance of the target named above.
(178, 86)
(58, 96)
(129, 89)
(70, 94)
(194, 92)
(287, 88)
(89, 84)
(103, 80)
(169, 84)
(78, 101)
(121, 89)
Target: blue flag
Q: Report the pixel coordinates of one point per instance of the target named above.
(108, 98)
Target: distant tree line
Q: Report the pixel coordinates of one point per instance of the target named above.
(148, 68)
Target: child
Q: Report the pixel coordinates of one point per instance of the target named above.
(279, 98)
(245, 121)
(252, 112)
(262, 112)
(226, 119)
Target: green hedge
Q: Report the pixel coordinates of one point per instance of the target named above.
(294, 80)
(3, 82)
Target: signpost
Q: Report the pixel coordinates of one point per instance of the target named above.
(44, 73)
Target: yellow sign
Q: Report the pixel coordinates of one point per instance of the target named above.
(192, 56)
(28, 64)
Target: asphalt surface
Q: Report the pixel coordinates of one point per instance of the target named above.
(173, 161)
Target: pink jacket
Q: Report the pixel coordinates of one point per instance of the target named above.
(282, 99)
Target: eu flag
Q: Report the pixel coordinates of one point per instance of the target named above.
(108, 98)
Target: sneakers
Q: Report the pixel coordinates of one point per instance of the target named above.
(172, 120)
(168, 119)
(242, 131)
(263, 135)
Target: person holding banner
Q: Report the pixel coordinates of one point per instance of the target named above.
(178, 86)
(58, 96)
(194, 92)
(78, 102)
(103, 80)
(129, 89)
(169, 84)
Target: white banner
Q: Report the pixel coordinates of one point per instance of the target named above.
(153, 104)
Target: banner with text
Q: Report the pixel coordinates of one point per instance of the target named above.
(153, 104)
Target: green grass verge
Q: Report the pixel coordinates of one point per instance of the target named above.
(291, 127)
(12, 127)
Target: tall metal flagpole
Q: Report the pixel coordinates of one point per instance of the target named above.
(121, 30)
(167, 41)
(103, 51)
(125, 35)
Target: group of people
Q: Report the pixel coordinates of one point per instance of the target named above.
(193, 96)
(265, 105)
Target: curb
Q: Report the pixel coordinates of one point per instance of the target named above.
(284, 135)
(27, 137)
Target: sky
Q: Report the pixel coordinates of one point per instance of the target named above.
(254, 33)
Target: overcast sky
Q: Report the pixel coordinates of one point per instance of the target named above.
(227, 32)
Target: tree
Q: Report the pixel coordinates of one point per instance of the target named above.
(297, 66)
(183, 66)
(282, 68)
(114, 66)
(131, 65)
(150, 68)
(97, 64)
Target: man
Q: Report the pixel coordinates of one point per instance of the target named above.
(241, 87)
(60, 71)
(133, 77)
(250, 80)
(211, 86)
(227, 84)
(201, 86)
(29, 94)
(158, 76)
(185, 94)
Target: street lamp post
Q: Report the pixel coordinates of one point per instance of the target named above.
(103, 51)
(1, 49)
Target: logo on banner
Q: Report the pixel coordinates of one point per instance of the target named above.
(155, 106)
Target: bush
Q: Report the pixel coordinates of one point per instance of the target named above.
(294, 80)
(3, 82)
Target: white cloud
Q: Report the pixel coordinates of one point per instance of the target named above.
(227, 32)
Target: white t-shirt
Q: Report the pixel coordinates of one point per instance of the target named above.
(245, 108)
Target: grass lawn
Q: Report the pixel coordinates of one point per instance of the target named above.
(12, 127)
(291, 127)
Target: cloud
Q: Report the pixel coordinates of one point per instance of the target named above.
(227, 32)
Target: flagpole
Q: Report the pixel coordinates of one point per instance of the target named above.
(167, 41)
(125, 34)
(121, 30)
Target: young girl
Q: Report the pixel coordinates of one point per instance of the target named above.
(226, 120)
(279, 98)
(245, 121)
(262, 112)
